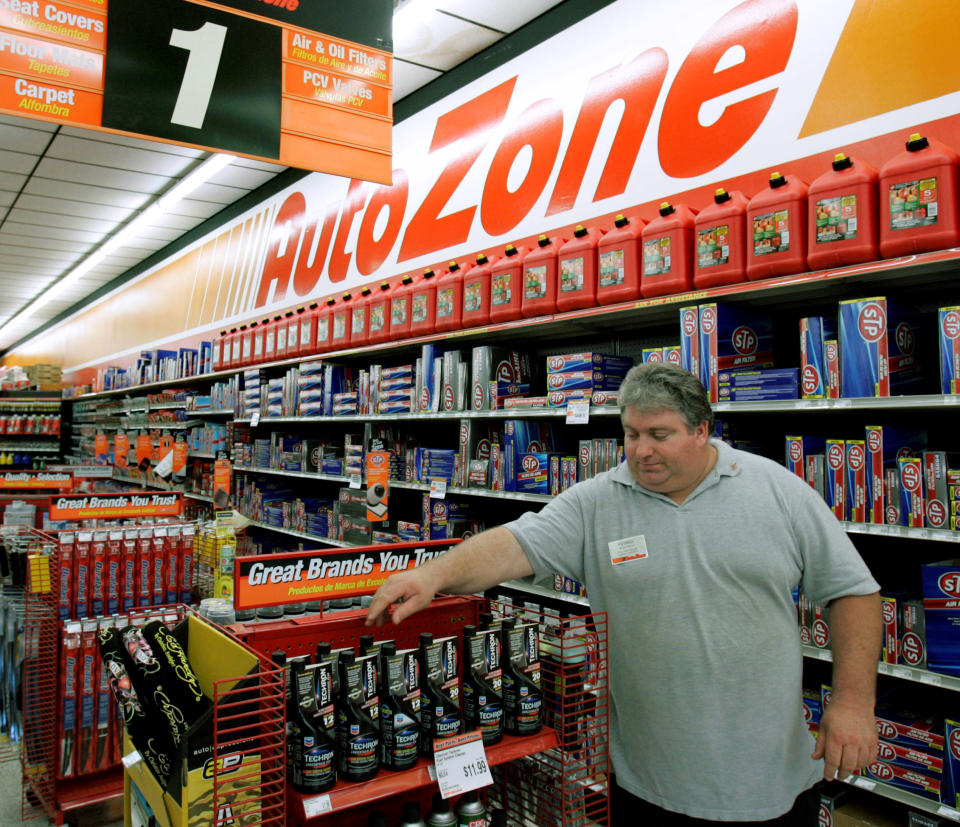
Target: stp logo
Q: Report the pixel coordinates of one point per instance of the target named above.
(425, 399)
(804, 635)
(506, 373)
(885, 752)
(810, 379)
(744, 340)
(874, 443)
(796, 451)
(893, 516)
(478, 396)
(824, 819)
(530, 463)
(584, 455)
(911, 648)
(904, 337)
(821, 633)
(949, 583)
(555, 362)
(904, 453)
(600, 398)
(689, 322)
(673, 356)
(316, 457)
(889, 612)
(835, 457)
(910, 477)
(708, 319)
(376, 459)
(556, 380)
(483, 449)
(955, 743)
(936, 513)
(656, 356)
(556, 398)
(448, 398)
(856, 457)
(951, 325)
(439, 508)
(880, 770)
(872, 322)
(831, 350)
(886, 730)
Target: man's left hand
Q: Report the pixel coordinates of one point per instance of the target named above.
(847, 740)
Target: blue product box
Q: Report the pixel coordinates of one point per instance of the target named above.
(672, 355)
(652, 354)
(836, 477)
(731, 337)
(950, 790)
(427, 399)
(884, 446)
(798, 449)
(762, 377)
(395, 385)
(949, 336)
(812, 709)
(912, 507)
(899, 724)
(401, 371)
(533, 472)
(395, 407)
(331, 465)
(856, 480)
(877, 349)
(690, 339)
(567, 362)
(755, 393)
(584, 380)
(911, 781)
(941, 611)
(559, 399)
(910, 758)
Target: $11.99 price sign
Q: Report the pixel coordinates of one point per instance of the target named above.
(461, 764)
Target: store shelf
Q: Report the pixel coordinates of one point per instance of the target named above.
(942, 535)
(212, 412)
(145, 483)
(302, 535)
(869, 403)
(918, 802)
(201, 455)
(896, 670)
(542, 591)
(190, 495)
(302, 809)
(21, 446)
(87, 790)
(513, 413)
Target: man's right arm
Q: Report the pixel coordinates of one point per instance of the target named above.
(485, 560)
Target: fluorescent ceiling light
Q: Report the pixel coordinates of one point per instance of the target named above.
(203, 173)
(408, 18)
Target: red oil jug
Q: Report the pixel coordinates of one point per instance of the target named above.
(378, 315)
(918, 199)
(450, 298)
(577, 266)
(668, 252)
(217, 351)
(506, 285)
(720, 238)
(340, 323)
(423, 305)
(270, 338)
(842, 215)
(324, 333)
(293, 332)
(540, 272)
(618, 262)
(231, 357)
(777, 223)
(282, 322)
(256, 344)
(400, 309)
(308, 327)
(476, 292)
(360, 319)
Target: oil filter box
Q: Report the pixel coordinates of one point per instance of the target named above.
(884, 446)
(941, 609)
(690, 339)
(912, 508)
(836, 477)
(495, 364)
(798, 449)
(877, 349)
(856, 480)
(814, 376)
(949, 330)
(731, 338)
(911, 626)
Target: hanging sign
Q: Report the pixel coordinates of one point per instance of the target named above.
(19, 480)
(113, 506)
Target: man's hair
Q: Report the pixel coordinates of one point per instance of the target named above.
(659, 386)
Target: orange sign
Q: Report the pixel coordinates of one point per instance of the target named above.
(101, 448)
(112, 506)
(36, 479)
(121, 447)
(57, 22)
(41, 99)
(336, 90)
(31, 56)
(303, 576)
(339, 55)
(221, 482)
(378, 485)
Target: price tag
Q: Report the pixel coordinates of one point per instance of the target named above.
(863, 783)
(949, 812)
(317, 805)
(843, 403)
(131, 758)
(902, 672)
(438, 489)
(255, 419)
(951, 400)
(578, 412)
(461, 764)
(354, 480)
(930, 678)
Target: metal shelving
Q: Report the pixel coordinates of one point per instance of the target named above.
(896, 670)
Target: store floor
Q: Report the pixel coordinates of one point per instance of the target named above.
(107, 816)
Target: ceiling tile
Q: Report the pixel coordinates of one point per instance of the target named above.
(81, 192)
(441, 41)
(118, 156)
(242, 177)
(31, 252)
(43, 231)
(60, 219)
(196, 209)
(7, 198)
(23, 139)
(41, 126)
(408, 77)
(20, 162)
(12, 181)
(217, 193)
(120, 179)
(129, 140)
(503, 15)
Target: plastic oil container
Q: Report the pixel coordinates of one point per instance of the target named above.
(842, 215)
(618, 262)
(378, 316)
(324, 325)
(423, 305)
(231, 352)
(720, 241)
(216, 356)
(360, 319)
(918, 199)
(256, 344)
(540, 276)
(340, 323)
(777, 224)
(270, 339)
(400, 309)
(308, 330)
(506, 285)
(476, 292)
(293, 333)
(577, 261)
(450, 298)
(668, 251)
(246, 345)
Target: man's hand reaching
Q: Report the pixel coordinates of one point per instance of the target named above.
(412, 590)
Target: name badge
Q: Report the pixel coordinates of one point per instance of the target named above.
(627, 549)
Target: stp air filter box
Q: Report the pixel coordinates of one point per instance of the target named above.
(836, 477)
(911, 626)
(731, 338)
(941, 608)
(949, 327)
(885, 445)
(814, 377)
(877, 349)
(690, 340)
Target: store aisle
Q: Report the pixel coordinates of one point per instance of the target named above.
(10, 805)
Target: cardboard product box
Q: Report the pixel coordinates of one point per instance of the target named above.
(559, 399)
(950, 791)
(892, 497)
(936, 493)
(863, 814)
(899, 724)
(917, 819)
(912, 646)
(452, 396)
(495, 363)
(912, 508)
(533, 472)
(949, 338)
(798, 448)
(877, 349)
(812, 710)
(911, 781)
(832, 796)
(605, 362)
(731, 338)
(941, 609)
(760, 377)
(816, 475)
(814, 374)
(690, 339)
(884, 446)
(585, 380)
(651, 354)
(836, 477)
(755, 393)
(911, 758)
(890, 638)
(856, 480)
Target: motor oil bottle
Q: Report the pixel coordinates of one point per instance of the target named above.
(522, 695)
(476, 292)
(378, 314)
(577, 263)
(720, 240)
(325, 325)
(314, 728)
(777, 229)
(470, 810)
(340, 327)
(270, 339)
(411, 815)
(293, 333)
(399, 707)
(358, 713)
(217, 349)
(439, 690)
(360, 319)
(423, 305)
(618, 262)
(668, 252)
(482, 683)
(918, 199)
(842, 215)
(308, 330)
(540, 276)
(450, 298)
(506, 285)
(400, 309)
(440, 814)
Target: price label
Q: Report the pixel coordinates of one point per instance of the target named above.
(951, 400)
(863, 783)
(255, 419)
(461, 764)
(131, 758)
(948, 812)
(438, 489)
(317, 805)
(843, 403)
(578, 412)
(354, 481)
(902, 672)
(930, 678)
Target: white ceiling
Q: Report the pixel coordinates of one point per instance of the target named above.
(64, 191)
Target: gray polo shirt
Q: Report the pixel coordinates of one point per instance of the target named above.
(705, 657)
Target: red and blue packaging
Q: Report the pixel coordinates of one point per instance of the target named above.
(690, 339)
(941, 610)
(815, 331)
(831, 359)
(856, 461)
(877, 349)
(836, 477)
(533, 472)
(936, 490)
(912, 509)
(604, 362)
(731, 338)
(652, 354)
(949, 327)
(885, 445)
(798, 449)
(950, 792)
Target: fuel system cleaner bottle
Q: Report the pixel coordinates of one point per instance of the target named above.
(482, 683)
(313, 725)
(358, 712)
(399, 707)
(522, 696)
(440, 690)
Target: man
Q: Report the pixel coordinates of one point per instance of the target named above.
(694, 548)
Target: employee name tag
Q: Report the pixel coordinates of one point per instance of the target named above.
(627, 549)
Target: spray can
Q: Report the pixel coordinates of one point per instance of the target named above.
(358, 725)
(411, 815)
(470, 810)
(440, 814)
(399, 707)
